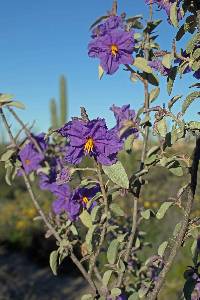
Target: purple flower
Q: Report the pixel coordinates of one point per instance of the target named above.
(90, 138)
(48, 182)
(63, 194)
(110, 23)
(114, 22)
(126, 122)
(40, 139)
(78, 201)
(113, 48)
(30, 158)
(99, 30)
(158, 66)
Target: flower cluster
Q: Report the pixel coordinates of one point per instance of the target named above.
(112, 44)
(90, 138)
(166, 6)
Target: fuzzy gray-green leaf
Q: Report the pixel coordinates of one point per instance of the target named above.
(112, 251)
(173, 15)
(106, 277)
(162, 248)
(188, 101)
(154, 94)
(116, 209)
(163, 209)
(86, 218)
(142, 64)
(117, 174)
(53, 261)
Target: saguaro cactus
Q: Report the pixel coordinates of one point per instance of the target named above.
(54, 116)
(63, 100)
(56, 120)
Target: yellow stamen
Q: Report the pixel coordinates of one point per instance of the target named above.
(85, 200)
(89, 145)
(27, 162)
(114, 49)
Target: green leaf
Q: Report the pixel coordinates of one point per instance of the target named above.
(89, 237)
(128, 144)
(153, 79)
(162, 248)
(117, 174)
(163, 209)
(87, 297)
(53, 259)
(194, 125)
(86, 218)
(142, 64)
(106, 277)
(177, 229)
(192, 43)
(134, 296)
(162, 127)
(112, 251)
(146, 214)
(196, 53)
(173, 15)
(5, 98)
(167, 60)
(100, 71)
(8, 176)
(121, 266)
(115, 292)
(95, 213)
(170, 79)
(173, 101)
(73, 229)
(116, 209)
(177, 171)
(16, 104)
(151, 160)
(193, 247)
(154, 94)
(7, 155)
(153, 150)
(142, 292)
(189, 100)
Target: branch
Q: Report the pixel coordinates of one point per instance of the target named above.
(84, 273)
(131, 239)
(105, 221)
(28, 133)
(181, 234)
(42, 214)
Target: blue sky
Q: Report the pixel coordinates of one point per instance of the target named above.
(40, 40)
